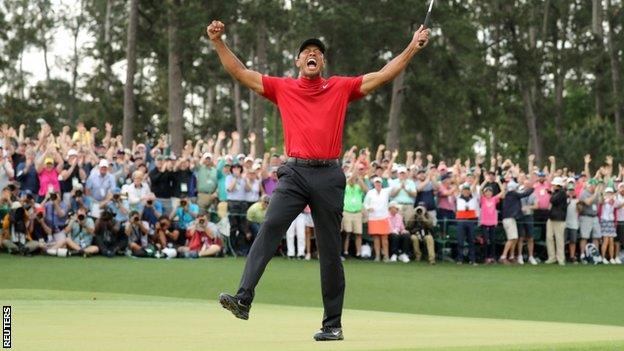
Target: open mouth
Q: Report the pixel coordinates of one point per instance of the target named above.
(311, 63)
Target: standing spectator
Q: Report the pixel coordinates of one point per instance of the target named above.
(467, 215)
(542, 196)
(589, 225)
(512, 210)
(253, 180)
(48, 174)
(296, 228)
(619, 201)
(73, 174)
(270, 183)
(161, 183)
(6, 169)
(572, 222)
(100, 185)
(489, 219)
(82, 135)
(446, 199)
(309, 232)
(607, 212)
(183, 183)
(403, 193)
(137, 191)
(255, 216)
(399, 236)
(555, 227)
(237, 188)
(526, 229)
(26, 173)
(352, 221)
(206, 174)
(376, 203)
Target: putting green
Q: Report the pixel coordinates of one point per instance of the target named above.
(61, 320)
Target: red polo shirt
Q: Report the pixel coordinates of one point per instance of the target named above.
(313, 112)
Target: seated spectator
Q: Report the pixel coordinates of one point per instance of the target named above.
(152, 210)
(255, 216)
(108, 238)
(203, 239)
(399, 236)
(165, 237)
(56, 215)
(137, 232)
(80, 232)
(14, 224)
(39, 232)
(184, 215)
(118, 206)
(79, 199)
(421, 227)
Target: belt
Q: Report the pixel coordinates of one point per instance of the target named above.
(312, 162)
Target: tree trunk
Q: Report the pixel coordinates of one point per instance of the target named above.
(615, 73)
(107, 44)
(44, 46)
(76, 58)
(259, 105)
(176, 102)
(531, 121)
(599, 55)
(394, 122)
(129, 107)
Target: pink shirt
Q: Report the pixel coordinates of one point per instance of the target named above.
(48, 178)
(445, 199)
(542, 195)
(396, 223)
(489, 214)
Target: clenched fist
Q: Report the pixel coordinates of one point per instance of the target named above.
(215, 30)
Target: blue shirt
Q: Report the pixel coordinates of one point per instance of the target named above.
(28, 180)
(99, 185)
(149, 213)
(52, 219)
(184, 217)
(115, 208)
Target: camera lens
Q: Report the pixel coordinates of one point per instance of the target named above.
(78, 193)
(150, 202)
(81, 217)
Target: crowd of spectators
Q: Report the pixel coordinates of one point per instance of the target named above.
(82, 192)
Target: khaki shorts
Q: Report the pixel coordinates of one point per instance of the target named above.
(511, 228)
(352, 222)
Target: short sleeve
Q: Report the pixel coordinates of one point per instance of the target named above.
(270, 86)
(355, 84)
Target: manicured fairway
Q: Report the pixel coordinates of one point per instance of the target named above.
(132, 304)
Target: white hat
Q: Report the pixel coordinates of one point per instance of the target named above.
(248, 159)
(511, 186)
(393, 204)
(558, 181)
(256, 167)
(377, 179)
(609, 190)
(240, 156)
(103, 163)
(72, 152)
(206, 155)
(402, 169)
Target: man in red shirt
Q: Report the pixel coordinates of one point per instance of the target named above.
(313, 111)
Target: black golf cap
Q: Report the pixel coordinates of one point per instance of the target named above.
(312, 41)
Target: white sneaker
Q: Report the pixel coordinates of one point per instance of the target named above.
(308, 257)
(603, 261)
(51, 252)
(403, 258)
(618, 261)
(612, 261)
(520, 260)
(393, 258)
(532, 261)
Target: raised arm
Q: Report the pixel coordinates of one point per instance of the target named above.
(231, 63)
(374, 80)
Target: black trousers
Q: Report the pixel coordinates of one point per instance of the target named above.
(323, 189)
(399, 243)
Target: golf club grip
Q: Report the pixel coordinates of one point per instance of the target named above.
(426, 25)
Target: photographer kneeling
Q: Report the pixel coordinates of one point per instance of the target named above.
(137, 232)
(421, 227)
(203, 239)
(107, 235)
(80, 231)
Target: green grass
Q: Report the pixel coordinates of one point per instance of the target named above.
(576, 294)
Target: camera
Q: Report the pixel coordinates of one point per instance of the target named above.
(40, 215)
(53, 196)
(116, 197)
(183, 203)
(150, 202)
(420, 210)
(81, 217)
(78, 193)
(202, 221)
(135, 218)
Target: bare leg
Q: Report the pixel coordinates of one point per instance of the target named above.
(530, 246)
(345, 248)
(384, 246)
(376, 244)
(358, 244)
(212, 250)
